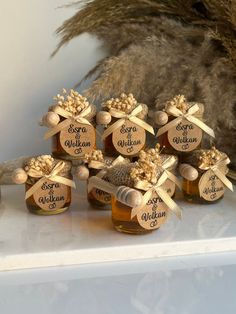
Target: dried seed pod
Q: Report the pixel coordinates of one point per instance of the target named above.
(50, 119)
(188, 172)
(160, 117)
(19, 176)
(103, 117)
(82, 173)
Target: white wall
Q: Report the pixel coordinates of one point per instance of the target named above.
(29, 78)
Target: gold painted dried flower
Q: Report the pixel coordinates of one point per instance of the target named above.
(209, 158)
(71, 101)
(125, 103)
(178, 102)
(94, 155)
(43, 164)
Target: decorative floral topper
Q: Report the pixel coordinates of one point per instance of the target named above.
(94, 155)
(209, 158)
(42, 164)
(71, 101)
(145, 171)
(178, 102)
(151, 155)
(125, 103)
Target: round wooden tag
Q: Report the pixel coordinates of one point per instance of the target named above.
(213, 189)
(153, 214)
(185, 136)
(101, 196)
(51, 195)
(78, 139)
(129, 139)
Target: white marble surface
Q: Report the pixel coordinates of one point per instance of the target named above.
(203, 284)
(83, 235)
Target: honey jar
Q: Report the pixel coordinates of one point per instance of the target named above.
(72, 126)
(181, 126)
(96, 164)
(125, 127)
(48, 184)
(204, 176)
(154, 183)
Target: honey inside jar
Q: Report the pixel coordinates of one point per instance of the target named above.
(121, 218)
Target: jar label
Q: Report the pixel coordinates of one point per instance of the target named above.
(78, 139)
(213, 189)
(185, 136)
(129, 139)
(153, 214)
(51, 195)
(101, 196)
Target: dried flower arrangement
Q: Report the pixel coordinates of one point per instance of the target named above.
(157, 49)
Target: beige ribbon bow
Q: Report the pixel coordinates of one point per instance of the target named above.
(122, 116)
(53, 176)
(70, 118)
(215, 170)
(99, 165)
(146, 186)
(188, 116)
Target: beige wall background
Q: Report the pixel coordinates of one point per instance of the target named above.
(29, 78)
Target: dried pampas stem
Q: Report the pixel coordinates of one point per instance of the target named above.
(157, 49)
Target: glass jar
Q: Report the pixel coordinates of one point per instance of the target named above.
(140, 177)
(214, 193)
(75, 141)
(130, 137)
(213, 189)
(184, 137)
(121, 218)
(51, 197)
(148, 218)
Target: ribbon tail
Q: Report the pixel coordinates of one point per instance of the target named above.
(57, 128)
(96, 164)
(146, 198)
(34, 188)
(101, 173)
(169, 202)
(143, 124)
(174, 179)
(83, 121)
(64, 181)
(201, 125)
(202, 183)
(168, 126)
(112, 128)
(223, 178)
(118, 160)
